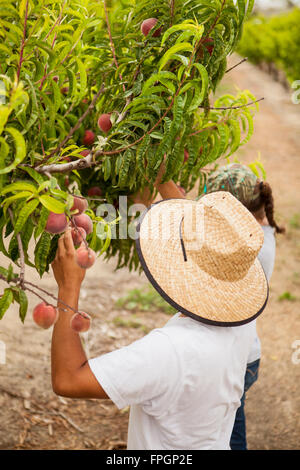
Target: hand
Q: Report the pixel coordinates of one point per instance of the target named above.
(67, 273)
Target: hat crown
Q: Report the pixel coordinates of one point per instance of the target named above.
(221, 236)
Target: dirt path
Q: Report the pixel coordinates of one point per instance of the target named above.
(32, 417)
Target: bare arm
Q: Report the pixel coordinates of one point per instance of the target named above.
(71, 374)
(168, 190)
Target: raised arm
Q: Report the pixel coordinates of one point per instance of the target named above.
(168, 190)
(71, 374)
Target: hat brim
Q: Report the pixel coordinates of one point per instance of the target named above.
(189, 289)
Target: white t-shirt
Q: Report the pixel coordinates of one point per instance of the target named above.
(183, 382)
(266, 257)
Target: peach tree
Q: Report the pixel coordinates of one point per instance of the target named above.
(94, 96)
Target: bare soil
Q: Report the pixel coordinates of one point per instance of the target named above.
(33, 417)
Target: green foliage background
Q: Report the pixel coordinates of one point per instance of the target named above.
(55, 57)
(274, 40)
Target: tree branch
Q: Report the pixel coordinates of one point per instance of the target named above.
(232, 107)
(23, 41)
(236, 65)
(111, 41)
(25, 287)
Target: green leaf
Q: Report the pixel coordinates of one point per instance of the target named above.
(23, 301)
(20, 149)
(185, 46)
(200, 94)
(53, 205)
(41, 252)
(5, 301)
(34, 174)
(42, 222)
(8, 201)
(25, 212)
(158, 77)
(21, 186)
(185, 26)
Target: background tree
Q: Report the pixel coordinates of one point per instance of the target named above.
(95, 95)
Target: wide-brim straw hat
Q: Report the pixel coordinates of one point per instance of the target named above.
(201, 256)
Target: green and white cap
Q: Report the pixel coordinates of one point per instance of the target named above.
(235, 178)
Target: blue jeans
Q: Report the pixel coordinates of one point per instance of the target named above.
(238, 439)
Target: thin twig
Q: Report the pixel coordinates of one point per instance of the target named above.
(21, 251)
(236, 65)
(172, 11)
(23, 41)
(69, 420)
(232, 107)
(16, 280)
(111, 41)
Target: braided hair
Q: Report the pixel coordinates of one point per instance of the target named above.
(264, 200)
(254, 194)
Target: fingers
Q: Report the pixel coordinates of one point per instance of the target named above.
(68, 241)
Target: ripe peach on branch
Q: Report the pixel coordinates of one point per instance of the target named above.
(95, 191)
(56, 223)
(80, 205)
(80, 322)
(104, 122)
(78, 235)
(149, 24)
(45, 315)
(85, 257)
(84, 221)
(88, 138)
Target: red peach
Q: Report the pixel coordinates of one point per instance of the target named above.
(78, 234)
(147, 25)
(85, 153)
(186, 155)
(85, 257)
(56, 223)
(104, 122)
(80, 322)
(45, 315)
(84, 221)
(64, 90)
(88, 138)
(209, 44)
(95, 191)
(80, 204)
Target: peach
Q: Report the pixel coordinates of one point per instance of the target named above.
(85, 257)
(95, 191)
(84, 221)
(45, 315)
(88, 138)
(186, 155)
(56, 223)
(80, 205)
(209, 44)
(147, 25)
(80, 322)
(104, 122)
(85, 153)
(78, 234)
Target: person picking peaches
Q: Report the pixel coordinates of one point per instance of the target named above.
(183, 381)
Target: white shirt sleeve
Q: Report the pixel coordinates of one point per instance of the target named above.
(140, 372)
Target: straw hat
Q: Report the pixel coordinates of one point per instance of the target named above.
(201, 256)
